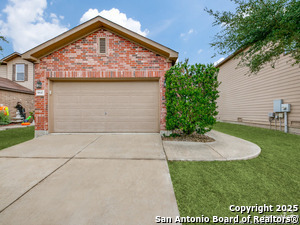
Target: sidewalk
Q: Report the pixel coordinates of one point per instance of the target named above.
(225, 147)
(14, 126)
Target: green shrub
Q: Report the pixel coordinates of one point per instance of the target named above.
(191, 94)
(4, 119)
(32, 114)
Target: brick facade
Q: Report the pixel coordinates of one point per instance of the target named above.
(10, 99)
(81, 59)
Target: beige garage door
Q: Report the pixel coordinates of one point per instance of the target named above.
(105, 106)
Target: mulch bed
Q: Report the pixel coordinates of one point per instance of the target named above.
(194, 137)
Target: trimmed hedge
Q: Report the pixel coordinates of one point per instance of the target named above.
(191, 94)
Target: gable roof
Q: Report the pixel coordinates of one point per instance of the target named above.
(8, 85)
(89, 27)
(10, 57)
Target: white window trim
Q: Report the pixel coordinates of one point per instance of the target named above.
(16, 75)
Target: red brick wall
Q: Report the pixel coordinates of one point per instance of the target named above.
(82, 60)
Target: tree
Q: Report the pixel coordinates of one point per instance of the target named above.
(2, 39)
(259, 31)
(191, 94)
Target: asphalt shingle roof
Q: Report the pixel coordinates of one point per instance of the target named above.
(8, 85)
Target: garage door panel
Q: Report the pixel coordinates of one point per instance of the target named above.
(129, 93)
(144, 112)
(144, 99)
(92, 106)
(94, 86)
(131, 112)
(131, 107)
(130, 119)
(91, 112)
(67, 99)
(92, 92)
(118, 99)
(92, 99)
(65, 113)
(141, 92)
(93, 119)
(130, 127)
(95, 126)
(65, 126)
(119, 112)
(67, 107)
(120, 93)
(132, 104)
(105, 106)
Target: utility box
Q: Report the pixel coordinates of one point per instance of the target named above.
(285, 107)
(277, 105)
(280, 115)
(271, 114)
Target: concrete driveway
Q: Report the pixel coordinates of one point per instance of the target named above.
(86, 179)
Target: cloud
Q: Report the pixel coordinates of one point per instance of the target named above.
(191, 31)
(26, 24)
(218, 61)
(185, 35)
(115, 16)
(199, 51)
(54, 18)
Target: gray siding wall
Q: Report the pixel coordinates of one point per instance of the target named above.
(248, 99)
(3, 72)
(28, 84)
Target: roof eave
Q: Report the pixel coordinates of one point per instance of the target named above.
(229, 57)
(89, 27)
(10, 57)
(17, 90)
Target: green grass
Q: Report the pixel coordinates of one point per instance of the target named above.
(15, 136)
(209, 188)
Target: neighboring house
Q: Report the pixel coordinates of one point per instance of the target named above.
(16, 83)
(100, 77)
(248, 99)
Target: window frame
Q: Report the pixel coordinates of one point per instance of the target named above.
(16, 72)
(106, 46)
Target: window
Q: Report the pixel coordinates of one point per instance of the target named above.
(102, 45)
(20, 72)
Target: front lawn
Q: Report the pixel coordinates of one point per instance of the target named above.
(15, 136)
(209, 188)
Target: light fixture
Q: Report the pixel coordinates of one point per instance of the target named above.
(38, 84)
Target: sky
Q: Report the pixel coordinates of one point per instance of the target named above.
(181, 25)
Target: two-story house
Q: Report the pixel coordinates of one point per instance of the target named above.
(16, 83)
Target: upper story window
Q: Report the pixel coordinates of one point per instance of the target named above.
(20, 72)
(102, 45)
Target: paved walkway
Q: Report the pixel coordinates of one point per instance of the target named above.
(225, 147)
(14, 126)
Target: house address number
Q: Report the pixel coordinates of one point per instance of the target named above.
(40, 92)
